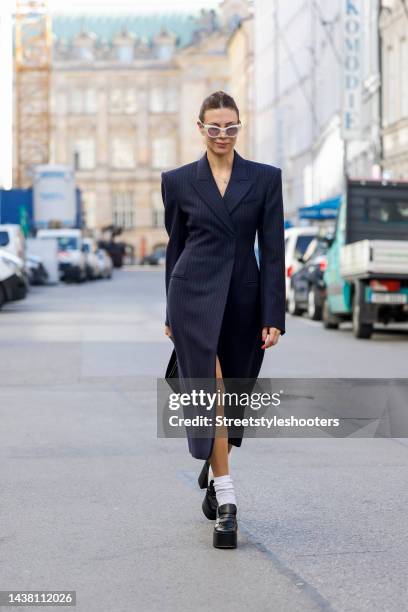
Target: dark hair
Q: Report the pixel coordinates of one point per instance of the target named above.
(218, 99)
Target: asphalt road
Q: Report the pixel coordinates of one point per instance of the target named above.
(93, 501)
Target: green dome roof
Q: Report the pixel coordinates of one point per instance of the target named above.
(106, 27)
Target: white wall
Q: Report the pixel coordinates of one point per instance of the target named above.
(298, 79)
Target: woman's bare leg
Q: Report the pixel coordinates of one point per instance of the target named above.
(221, 448)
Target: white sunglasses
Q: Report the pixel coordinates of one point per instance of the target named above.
(213, 131)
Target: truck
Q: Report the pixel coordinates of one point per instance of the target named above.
(56, 200)
(366, 279)
(53, 201)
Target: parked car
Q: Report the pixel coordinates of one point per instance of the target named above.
(91, 258)
(105, 263)
(12, 239)
(71, 258)
(15, 285)
(6, 281)
(307, 287)
(297, 239)
(37, 273)
(157, 257)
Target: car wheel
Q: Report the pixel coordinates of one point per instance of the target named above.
(360, 328)
(3, 296)
(82, 276)
(330, 321)
(314, 311)
(293, 308)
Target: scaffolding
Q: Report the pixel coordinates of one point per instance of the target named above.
(33, 55)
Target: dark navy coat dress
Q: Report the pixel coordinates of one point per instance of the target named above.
(218, 299)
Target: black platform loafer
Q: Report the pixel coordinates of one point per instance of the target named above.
(210, 503)
(226, 527)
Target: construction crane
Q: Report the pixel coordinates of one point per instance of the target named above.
(33, 55)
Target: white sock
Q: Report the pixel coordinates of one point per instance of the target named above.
(224, 490)
(210, 475)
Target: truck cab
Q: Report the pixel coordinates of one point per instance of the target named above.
(366, 277)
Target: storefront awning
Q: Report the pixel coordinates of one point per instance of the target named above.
(326, 209)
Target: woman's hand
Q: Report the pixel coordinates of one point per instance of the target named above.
(167, 331)
(270, 336)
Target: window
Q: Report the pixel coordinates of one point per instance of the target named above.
(311, 249)
(125, 53)
(165, 52)
(123, 213)
(172, 99)
(75, 101)
(378, 218)
(123, 153)
(86, 53)
(84, 154)
(164, 152)
(67, 243)
(130, 101)
(123, 101)
(82, 101)
(115, 100)
(157, 209)
(302, 242)
(164, 99)
(386, 211)
(157, 100)
(4, 239)
(89, 102)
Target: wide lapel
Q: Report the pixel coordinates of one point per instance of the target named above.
(238, 185)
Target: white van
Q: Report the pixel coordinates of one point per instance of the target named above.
(7, 275)
(70, 252)
(12, 239)
(92, 260)
(297, 239)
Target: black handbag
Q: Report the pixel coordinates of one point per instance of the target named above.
(172, 375)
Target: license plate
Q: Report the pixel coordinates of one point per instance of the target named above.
(389, 298)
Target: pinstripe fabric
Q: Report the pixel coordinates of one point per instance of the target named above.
(218, 299)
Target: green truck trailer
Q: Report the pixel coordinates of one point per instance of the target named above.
(366, 277)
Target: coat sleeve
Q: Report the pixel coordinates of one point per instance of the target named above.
(175, 223)
(271, 239)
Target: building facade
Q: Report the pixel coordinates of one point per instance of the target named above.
(125, 97)
(240, 52)
(299, 75)
(394, 47)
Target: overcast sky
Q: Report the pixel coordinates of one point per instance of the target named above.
(126, 6)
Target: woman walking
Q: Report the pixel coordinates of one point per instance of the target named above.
(222, 310)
